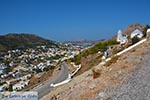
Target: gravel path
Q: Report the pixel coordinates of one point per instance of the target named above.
(136, 88)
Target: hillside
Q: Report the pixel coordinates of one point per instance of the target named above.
(126, 79)
(90, 57)
(21, 41)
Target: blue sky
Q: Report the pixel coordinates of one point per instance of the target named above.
(62, 20)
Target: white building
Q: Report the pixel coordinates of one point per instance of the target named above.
(137, 33)
(120, 38)
(20, 85)
(148, 30)
(2, 88)
(26, 77)
(105, 55)
(1, 71)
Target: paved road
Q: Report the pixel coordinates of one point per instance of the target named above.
(62, 75)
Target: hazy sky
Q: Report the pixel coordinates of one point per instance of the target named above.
(71, 19)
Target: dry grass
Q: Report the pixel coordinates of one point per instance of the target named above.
(113, 60)
(124, 67)
(108, 99)
(96, 72)
(143, 53)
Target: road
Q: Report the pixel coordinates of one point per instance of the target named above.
(45, 88)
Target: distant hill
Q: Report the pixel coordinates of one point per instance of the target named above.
(22, 41)
(83, 42)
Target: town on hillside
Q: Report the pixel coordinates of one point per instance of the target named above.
(23, 69)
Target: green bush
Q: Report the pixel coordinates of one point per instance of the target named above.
(101, 46)
(77, 59)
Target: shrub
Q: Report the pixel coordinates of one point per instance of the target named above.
(77, 59)
(96, 72)
(101, 46)
(113, 60)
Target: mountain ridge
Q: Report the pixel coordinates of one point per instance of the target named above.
(23, 40)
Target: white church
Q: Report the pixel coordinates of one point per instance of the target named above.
(120, 38)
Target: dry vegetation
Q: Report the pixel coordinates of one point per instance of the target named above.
(96, 72)
(113, 60)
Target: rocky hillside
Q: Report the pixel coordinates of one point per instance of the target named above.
(21, 41)
(90, 57)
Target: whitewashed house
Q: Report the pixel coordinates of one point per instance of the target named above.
(1, 71)
(17, 87)
(26, 77)
(137, 33)
(40, 66)
(20, 85)
(17, 74)
(105, 55)
(4, 76)
(3, 66)
(2, 88)
(120, 38)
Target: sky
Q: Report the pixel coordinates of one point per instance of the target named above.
(63, 20)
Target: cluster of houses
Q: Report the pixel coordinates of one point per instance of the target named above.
(16, 65)
(17, 83)
(20, 85)
(14, 75)
(2, 68)
(40, 66)
(24, 82)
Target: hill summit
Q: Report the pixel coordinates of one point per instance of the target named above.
(22, 41)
